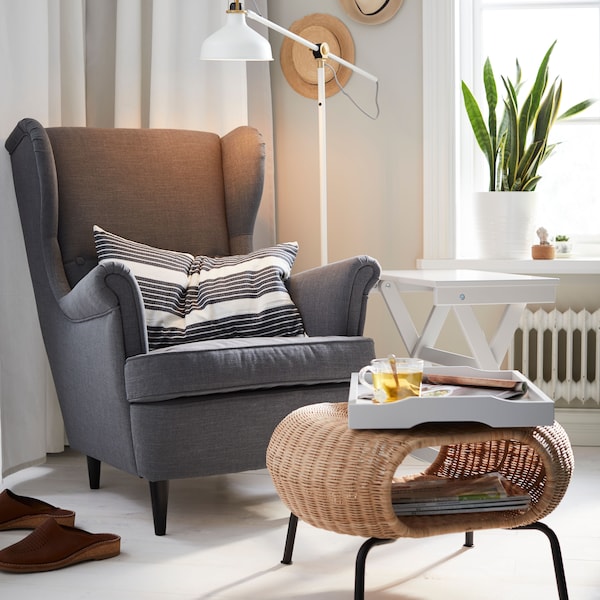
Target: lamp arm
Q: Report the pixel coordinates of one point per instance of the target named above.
(354, 68)
(314, 47)
(282, 30)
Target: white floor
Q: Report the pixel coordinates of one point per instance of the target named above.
(225, 539)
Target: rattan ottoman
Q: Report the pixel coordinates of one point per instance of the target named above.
(340, 479)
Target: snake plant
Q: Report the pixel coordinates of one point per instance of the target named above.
(516, 148)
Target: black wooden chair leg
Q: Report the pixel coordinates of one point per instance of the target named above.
(559, 569)
(93, 465)
(290, 539)
(159, 494)
(361, 558)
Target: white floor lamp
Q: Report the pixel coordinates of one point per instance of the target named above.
(237, 41)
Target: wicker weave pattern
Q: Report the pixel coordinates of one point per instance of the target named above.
(340, 479)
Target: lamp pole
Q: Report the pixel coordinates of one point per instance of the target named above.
(321, 53)
(323, 201)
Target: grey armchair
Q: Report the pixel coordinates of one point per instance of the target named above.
(197, 408)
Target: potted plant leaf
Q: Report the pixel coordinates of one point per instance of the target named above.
(514, 146)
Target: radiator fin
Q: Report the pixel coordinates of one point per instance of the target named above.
(559, 351)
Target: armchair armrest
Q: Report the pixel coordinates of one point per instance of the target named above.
(109, 287)
(332, 299)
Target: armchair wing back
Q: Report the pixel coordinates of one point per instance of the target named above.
(197, 408)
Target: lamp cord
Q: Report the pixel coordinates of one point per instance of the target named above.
(362, 110)
(256, 9)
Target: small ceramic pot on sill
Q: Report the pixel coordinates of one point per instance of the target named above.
(543, 252)
(563, 249)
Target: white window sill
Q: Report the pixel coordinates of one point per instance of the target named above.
(558, 266)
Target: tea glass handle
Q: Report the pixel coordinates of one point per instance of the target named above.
(362, 379)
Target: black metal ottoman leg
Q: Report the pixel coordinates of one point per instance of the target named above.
(290, 539)
(361, 558)
(559, 569)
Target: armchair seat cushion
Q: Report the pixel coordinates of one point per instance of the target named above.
(227, 365)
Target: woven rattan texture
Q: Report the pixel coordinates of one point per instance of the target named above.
(340, 479)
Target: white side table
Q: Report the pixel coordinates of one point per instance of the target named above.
(458, 290)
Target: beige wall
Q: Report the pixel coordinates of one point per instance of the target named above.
(374, 167)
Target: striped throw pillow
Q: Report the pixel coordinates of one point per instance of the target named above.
(190, 298)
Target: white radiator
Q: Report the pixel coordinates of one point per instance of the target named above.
(560, 353)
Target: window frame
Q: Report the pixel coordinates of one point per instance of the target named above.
(440, 135)
(444, 63)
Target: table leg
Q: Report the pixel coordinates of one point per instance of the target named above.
(506, 329)
(400, 315)
(476, 339)
(432, 329)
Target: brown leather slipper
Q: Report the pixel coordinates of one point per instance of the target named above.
(52, 546)
(21, 512)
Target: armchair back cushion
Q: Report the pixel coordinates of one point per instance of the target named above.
(195, 190)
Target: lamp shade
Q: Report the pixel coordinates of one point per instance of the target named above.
(236, 41)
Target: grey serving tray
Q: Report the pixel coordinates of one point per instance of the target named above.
(463, 405)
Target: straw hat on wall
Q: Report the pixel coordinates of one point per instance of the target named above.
(300, 66)
(371, 12)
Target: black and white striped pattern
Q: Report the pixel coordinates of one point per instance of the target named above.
(191, 298)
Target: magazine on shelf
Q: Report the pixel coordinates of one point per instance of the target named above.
(490, 492)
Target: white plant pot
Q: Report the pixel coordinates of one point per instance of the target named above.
(505, 224)
(563, 249)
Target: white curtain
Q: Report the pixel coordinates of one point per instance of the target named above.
(42, 74)
(101, 63)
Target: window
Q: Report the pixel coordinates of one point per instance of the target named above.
(456, 41)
